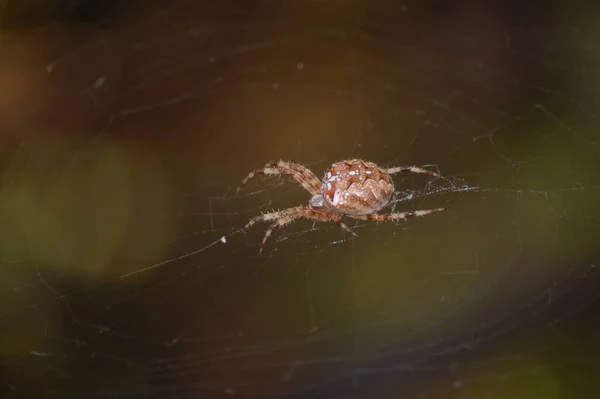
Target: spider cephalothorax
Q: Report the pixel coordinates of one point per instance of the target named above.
(354, 188)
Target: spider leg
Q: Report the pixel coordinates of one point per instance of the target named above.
(273, 226)
(267, 217)
(286, 216)
(411, 169)
(346, 228)
(396, 216)
(301, 174)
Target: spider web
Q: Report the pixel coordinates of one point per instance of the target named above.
(125, 131)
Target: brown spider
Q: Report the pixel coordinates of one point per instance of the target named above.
(353, 188)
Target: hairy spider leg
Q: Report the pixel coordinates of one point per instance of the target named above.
(287, 216)
(396, 216)
(411, 169)
(300, 173)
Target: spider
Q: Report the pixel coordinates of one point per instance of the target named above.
(354, 188)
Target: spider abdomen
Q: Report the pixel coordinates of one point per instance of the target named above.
(356, 187)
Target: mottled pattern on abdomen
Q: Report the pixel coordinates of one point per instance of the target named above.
(356, 187)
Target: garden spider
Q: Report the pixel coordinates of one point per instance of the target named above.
(354, 188)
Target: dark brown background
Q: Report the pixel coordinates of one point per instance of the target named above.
(126, 126)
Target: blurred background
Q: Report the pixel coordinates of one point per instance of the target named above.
(126, 126)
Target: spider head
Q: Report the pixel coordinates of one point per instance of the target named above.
(317, 201)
